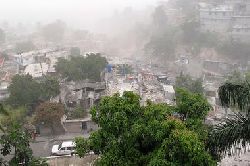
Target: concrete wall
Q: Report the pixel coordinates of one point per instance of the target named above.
(72, 161)
(215, 21)
(80, 126)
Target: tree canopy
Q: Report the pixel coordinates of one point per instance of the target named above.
(13, 115)
(80, 68)
(75, 51)
(25, 91)
(186, 82)
(16, 141)
(232, 130)
(49, 114)
(131, 134)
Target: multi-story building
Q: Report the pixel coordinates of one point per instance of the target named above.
(227, 17)
(215, 18)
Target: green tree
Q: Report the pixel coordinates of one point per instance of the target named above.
(80, 68)
(182, 148)
(192, 109)
(133, 135)
(24, 91)
(25, 47)
(247, 76)
(82, 146)
(235, 77)
(191, 106)
(3, 112)
(75, 51)
(235, 129)
(49, 114)
(13, 115)
(78, 112)
(17, 140)
(49, 88)
(186, 82)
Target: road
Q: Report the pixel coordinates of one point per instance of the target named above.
(41, 147)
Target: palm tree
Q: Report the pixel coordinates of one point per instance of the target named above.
(235, 129)
(4, 112)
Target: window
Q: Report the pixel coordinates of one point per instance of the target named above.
(70, 148)
(59, 147)
(62, 149)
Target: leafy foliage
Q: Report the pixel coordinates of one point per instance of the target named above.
(25, 91)
(82, 146)
(235, 94)
(186, 82)
(80, 68)
(182, 148)
(3, 112)
(13, 115)
(16, 140)
(191, 106)
(78, 112)
(133, 135)
(232, 130)
(75, 51)
(50, 114)
(49, 88)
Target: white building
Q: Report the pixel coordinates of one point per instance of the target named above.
(215, 18)
(37, 70)
(169, 93)
(228, 17)
(241, 28)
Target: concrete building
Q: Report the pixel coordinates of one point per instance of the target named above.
(241, 28)
(215, 18)
(37, 70)
(229, 17)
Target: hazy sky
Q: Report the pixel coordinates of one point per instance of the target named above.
(72, 11)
